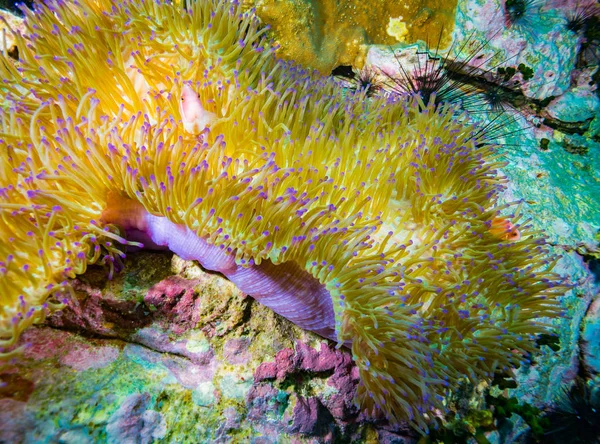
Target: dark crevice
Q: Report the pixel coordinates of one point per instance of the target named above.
(87, 334)
(343, 71)
(12, 6)
(594, 266)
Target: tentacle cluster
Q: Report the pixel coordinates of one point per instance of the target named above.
(388, 203)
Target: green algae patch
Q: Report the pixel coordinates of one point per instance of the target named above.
(197, 343)
(204, 394)
(76, 402)
(236, 387)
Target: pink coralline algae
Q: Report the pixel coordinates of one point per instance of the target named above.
(91, 310)
(176, 299)
(87, 357)
(342, 375)
(304, 358)
(236, 351)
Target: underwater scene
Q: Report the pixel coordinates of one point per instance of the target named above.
(300, 221)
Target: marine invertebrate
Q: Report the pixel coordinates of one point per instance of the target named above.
(575, 415)
(369, 222)
(580, 19)
(456, 77)
(366, 80)
(429, 80)
(522, 15)
(584, 21)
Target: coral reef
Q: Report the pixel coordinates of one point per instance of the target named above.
(532, 36)
(370, 222)
(110, 364)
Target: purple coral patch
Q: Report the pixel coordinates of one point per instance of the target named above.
(94, 312)
(284, 365)
(309, 417)
(305, 358)
(85, 357)
(15, 420)
(236, 351)
(292, 363)
(135, 422)
(175, 298)
(327, 358)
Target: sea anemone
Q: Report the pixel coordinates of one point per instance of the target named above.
(372, 222)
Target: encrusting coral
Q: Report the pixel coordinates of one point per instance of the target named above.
(325, 34)
(373, 222)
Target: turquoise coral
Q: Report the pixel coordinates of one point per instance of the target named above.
(389, 204)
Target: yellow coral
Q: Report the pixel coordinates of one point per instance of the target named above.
(325, 34)
(397, 28)
(388, 204)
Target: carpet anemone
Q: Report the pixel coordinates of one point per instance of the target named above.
(375, 222)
